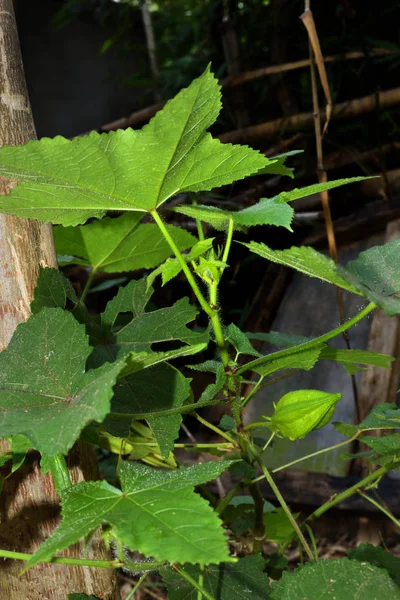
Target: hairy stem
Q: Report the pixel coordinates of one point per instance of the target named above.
(372, 477)
(194, 583)
(311, 344)
(294, 462)
(282, 502)
(209, 310)
(60, 560)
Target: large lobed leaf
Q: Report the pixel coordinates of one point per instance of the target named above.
(67, 182)
(45, 392)
(341, 579)
(156, 513)
(126, 244)
(144, 328)
(244, 580)
(375, 274)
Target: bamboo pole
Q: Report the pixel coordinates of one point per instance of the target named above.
(29, 503)
(344, 110)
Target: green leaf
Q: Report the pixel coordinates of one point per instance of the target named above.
(299, 412)
(240, 341)
(214, 388)
(277, 165)
(366, 553)
(266, 212)
(52, 290)
(48, 397)
(156, 513)
(139, 334)
(376, 275)
(340, 579)
(126, 244)
(316, 188)
(278, 528)
(171, 268)
(304, 259)
(19, 446)
(136, 361)
(387, 447)
(279, 339)
(151, 394)
(57, 466)
(67, 182)
(383, 416)
(305, 359)
(242, 580)
(144, 329)
(356, 357)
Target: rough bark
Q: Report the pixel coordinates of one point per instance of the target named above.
(29, 504)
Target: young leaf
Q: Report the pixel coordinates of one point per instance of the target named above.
(156, 513)
(277, 165)
(356, 357)
(171, 268)
(240, 341)
(136, 361)
(299, 412)
(383, 416)
(126, 244)
(305, 360)
(338, 578)
(376, 275)
(163, 325)
(243, 580)
(67, 182)
(386, 447)
(265, 212)
(366, 553)
(52, 290)
(304, 259)
(57, 466)
(48, 397)
(316, 188)
(152, 394)
(133, 298)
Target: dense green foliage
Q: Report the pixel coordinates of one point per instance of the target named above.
(106, 379)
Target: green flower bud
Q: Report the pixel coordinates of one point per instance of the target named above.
(297, 413)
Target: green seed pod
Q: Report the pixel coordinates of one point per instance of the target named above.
(297, 413)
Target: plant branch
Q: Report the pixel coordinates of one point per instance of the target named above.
(228, 243)
(88, 285)
(380, 507)
(371, 478)
(194, 583)
(311, 344)
(215, 429)
(61, 560)
(210, 311)
(282, 502)
(294, 462)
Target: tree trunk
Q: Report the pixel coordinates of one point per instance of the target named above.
(29, 504)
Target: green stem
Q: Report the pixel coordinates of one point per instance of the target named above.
(282, 502)
(136, 587)
(380, 507)
(164, 413)
(216, 323)
(222, 504)
(199, 446)
(61, 560)
(294, 462)
(228, 243)
(253, 392)
(88, 285)
(199, 225)
(215, 429)
(349, 492)
(210, 311)
(311, 344)
(268, 442)
(194, 583)
(201, 583)
(196, 290)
